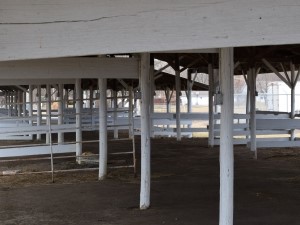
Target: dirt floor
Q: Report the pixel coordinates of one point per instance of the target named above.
(184, 189)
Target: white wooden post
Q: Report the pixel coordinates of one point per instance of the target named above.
(78, 105)
(178, 92)
(5, 96)
(145, 132)
(115, 107)
(38, 111)
(19, 101)
(168, 100)
(10, 104)
(152, 91)
(293, 85)
(24, 103)
(60, 135)
(226, 138)
(102, 83)
(15, 98)
(130, 113)
(252, 84)
(189, 91)
(48, 110)
(211, 136)
(30, 111)
(91, 96)
(248, 107)
(189, 96)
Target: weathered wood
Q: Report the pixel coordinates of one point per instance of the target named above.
(66, 68)
(226, 139)
(72, 28)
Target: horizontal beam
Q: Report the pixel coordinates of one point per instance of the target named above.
(36, 150)
(32, 29)
(7, 82)
(280, 124)
(70, 68)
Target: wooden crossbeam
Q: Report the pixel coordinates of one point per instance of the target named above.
(274, 70)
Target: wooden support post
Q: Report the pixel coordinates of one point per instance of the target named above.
(115, 107)
(252, 82)
(211, 136)
(78, 105)
(48, 109)
(130, 112)
(15, 97)
(91, 96)
(30, 106)
(189, 91)
(178, 92)
(293, 85)
(60, 135)
(189, 96)
(152, 93)
(19, 102)
(167, 93)
(145, 132)
(102, 83)
(38, 111)
(23, 107)
(226, 138)
(5, 97)
(30, 100)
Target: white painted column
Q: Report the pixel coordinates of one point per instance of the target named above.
(115, 107)
(48, 109)
(189, 96)
(78, 106)
(293, 85)
(10, 103)
(60, 135)
(91, 97)
(24, 103)
(168, 97)
(130, 113)
(30, 107)
(248, 108)
(145, 132)
(178, 92)
(19, 102)
(226, 138)
(252, 84)
(38, 111)
(152, 91)
(102, 129)
(15, 100)
(5, 96)
(211, 136)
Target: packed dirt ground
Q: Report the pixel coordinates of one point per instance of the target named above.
(184, 188)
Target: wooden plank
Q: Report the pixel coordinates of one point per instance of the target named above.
(36, 150)
(278, 144)
(68, 68)
(32, 29)
(279, 124)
